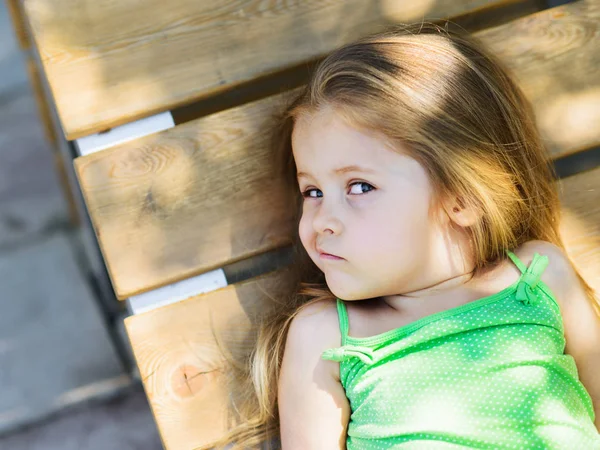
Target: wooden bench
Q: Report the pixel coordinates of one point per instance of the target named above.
(173, 197)
(109, 63)
(109, 71)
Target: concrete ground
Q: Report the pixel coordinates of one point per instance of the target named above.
(120, 424)
(62, 384)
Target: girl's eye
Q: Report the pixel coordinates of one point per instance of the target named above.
(364, 184)
(307, 193)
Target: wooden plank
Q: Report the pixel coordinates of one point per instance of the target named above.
(580, 224)
(179, 362)
(187, 200)
(114, 62)
(181, 365)
(183, 202)
(555, 56)
(498, 14)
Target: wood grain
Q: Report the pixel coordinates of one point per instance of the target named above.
(181, 364)
(580, 224)
(113, 62)
(555, 56)
(187, 200)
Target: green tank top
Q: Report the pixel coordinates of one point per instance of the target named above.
(489, 374)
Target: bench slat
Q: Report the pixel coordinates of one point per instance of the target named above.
(174, 341)
(110, 62)
(555, 56)
(179, 360)
(185, 201)
(580, 224)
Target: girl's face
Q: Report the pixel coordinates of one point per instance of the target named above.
(366, 204)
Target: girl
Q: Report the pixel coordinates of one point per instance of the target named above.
(437, 307)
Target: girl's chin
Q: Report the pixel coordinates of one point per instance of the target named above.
(344, 293)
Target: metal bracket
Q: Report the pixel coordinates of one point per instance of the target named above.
(124, 133)
(172, 293)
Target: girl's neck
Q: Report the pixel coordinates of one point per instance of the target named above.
(452, 291)
(442, 286)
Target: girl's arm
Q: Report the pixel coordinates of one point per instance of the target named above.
(313, 408)
(581, 322)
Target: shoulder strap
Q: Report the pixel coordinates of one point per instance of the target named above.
(536, 267)
(530, 276)
(343, 318)
(522, 267)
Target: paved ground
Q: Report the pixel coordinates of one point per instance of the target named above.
(62, 385)
(116, 424)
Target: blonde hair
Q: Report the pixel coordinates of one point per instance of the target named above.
(457, 110)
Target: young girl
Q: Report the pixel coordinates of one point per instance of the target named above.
(438, 307)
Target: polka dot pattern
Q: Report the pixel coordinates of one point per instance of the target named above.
(488, 374)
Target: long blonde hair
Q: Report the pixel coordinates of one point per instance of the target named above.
(459, 113)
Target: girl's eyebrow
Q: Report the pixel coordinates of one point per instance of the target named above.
(353, 168)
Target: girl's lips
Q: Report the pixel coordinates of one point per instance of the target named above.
(330, 257)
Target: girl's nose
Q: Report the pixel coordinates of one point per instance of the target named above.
(326, 219)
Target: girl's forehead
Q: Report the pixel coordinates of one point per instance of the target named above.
(325, 139)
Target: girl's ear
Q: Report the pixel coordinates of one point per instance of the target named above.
(460, 213)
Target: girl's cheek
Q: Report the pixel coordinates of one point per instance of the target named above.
(304, 231)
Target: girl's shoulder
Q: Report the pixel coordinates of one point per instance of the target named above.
(314, 329)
